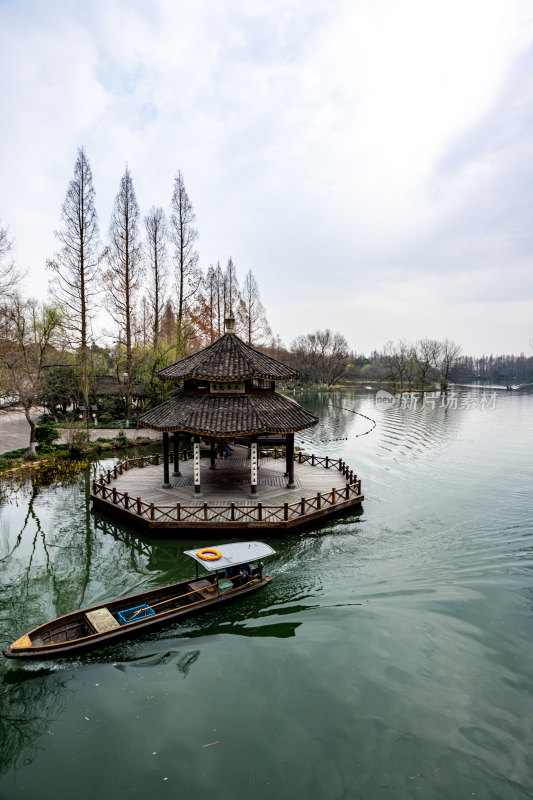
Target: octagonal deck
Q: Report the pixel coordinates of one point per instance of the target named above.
(324, 486)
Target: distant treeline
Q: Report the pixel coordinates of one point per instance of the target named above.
(430, 361)
(497, 369)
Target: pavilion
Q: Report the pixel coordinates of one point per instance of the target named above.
(228, 391)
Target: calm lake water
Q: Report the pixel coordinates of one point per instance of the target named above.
(391, 656)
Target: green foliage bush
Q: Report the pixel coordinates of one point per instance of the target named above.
(112, 404)
(121, 438)
(77, 438)
(45, 435)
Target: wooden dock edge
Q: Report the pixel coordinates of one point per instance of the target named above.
(187, 525)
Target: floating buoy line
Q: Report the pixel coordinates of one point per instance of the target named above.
(351, 411)
(345, 438)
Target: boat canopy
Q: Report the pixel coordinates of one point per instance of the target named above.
(231, 555)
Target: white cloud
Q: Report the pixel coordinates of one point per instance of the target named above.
(339, 150)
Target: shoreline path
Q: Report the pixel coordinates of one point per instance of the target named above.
(15, 431)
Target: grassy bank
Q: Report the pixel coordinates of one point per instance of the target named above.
(19, 461)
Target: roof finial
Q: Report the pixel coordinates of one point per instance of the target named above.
(230, 325)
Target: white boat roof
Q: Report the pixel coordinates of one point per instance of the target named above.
(231, 555)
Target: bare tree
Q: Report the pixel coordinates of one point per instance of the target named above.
(156, 259)
(426, 353)
(447, 359)
(321, 356)
(394, 363)
(32, 331)
(231, 294)
(219, 283)
(124, 272)
(252, 312)
(399, 362)
(188, 276)
(211, 297)
(9, 276)
(77, 263)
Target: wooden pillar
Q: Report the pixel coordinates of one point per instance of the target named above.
(176, 438)
(196, 467)
(213, 454)
(253, 467)
(166, 475)
(290, 461)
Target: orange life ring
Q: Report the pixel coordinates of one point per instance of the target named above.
(216, 554)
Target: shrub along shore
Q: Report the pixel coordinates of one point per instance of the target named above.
(80, 455)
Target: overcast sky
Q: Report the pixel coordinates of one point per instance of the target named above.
(369, 160)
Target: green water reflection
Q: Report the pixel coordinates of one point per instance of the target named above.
(390, 656)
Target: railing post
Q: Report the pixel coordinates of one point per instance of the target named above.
(156, 459)
(178, 511)
(152, 512)
(285, 511)
(259, 512)
(300, 457)
(347, 491)
(302, 506)
(114, 496)
(115, 472)
(142, 462)
(327, 462)
(318, 500)
(139, 508)
(126, 501)
(205, 511)
(233, 512)
(109, 476)
(333, 496)
(126, 465)
(313, 460)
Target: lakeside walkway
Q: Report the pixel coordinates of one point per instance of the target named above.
(15, 431)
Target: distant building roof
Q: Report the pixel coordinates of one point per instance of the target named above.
(228, 359)
(109, 385)
(229, 416)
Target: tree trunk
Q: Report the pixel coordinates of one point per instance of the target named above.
(32, 449)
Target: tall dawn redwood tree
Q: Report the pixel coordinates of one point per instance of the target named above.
(156, 243)
(183, 236)
(124, 271)
(77, 263)
(252, 312)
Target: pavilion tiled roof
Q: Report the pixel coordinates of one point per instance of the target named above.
(228, 359)
(229, 416)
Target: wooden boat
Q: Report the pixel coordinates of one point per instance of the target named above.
(234, 570)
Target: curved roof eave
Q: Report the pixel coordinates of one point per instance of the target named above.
(244, 415)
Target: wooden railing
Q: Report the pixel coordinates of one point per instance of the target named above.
(229, 512)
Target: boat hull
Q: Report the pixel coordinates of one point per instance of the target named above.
(75, 622)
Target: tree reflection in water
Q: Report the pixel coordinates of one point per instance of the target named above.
(30, 701)
(55, 557)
